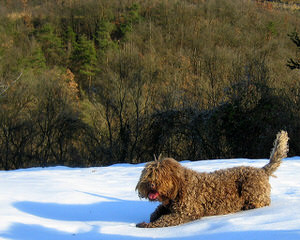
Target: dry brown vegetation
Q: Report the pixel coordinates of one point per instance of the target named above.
(117, 81)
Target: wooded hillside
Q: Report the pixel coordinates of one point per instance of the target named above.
(96, 82)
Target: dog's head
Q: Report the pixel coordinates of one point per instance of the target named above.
(161, 180)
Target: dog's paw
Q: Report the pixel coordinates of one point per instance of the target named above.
(142, 225)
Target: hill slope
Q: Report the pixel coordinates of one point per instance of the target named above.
(98, 82)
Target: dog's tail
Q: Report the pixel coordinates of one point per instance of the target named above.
(279, 152)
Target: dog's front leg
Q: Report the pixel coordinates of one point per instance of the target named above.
(167, 220)
(159, 211)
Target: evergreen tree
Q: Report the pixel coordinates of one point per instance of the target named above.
(69, 38)
(51, 45)
(126, 21)
(103, 39)
(36, 60)
(84, 59)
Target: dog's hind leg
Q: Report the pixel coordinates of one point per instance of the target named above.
(256, 193)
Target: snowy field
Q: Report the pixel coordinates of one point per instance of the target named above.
(62, 203)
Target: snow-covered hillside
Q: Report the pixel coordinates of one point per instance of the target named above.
(61, 203)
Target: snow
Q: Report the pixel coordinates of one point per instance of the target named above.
(61, 203)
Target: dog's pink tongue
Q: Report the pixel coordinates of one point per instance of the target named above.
(153, 195)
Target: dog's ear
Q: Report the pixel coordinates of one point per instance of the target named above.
(159, 158)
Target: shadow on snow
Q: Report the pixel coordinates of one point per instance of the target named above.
(110, 210)
(35, 232)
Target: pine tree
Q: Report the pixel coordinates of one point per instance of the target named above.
(84, 59)
(103, 38)
(69, 38)
(51, 45)
(36, 60)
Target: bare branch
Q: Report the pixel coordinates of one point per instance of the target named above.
(6, 87)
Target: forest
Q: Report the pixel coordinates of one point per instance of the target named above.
(97, 82)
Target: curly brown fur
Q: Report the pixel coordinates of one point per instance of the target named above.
(186, 195)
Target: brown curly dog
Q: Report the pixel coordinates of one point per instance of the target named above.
(186, 195)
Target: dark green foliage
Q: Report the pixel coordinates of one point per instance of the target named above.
(51, 45)
(125, 21)
(84, 61)
(36, 60)
(107, 81)
(103, 36)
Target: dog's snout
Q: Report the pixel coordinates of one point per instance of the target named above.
(152, 185)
